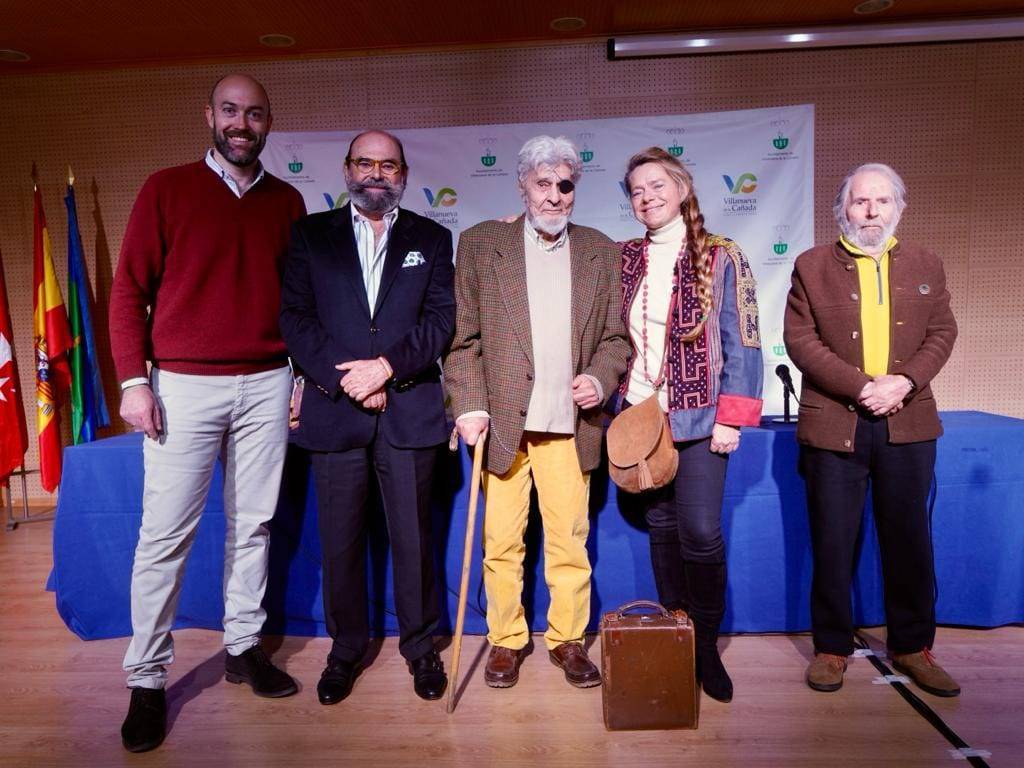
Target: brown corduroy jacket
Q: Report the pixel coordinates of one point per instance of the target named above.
(490, 364)
(823, 339)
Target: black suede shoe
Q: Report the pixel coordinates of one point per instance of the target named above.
(335, 681)
(255, 668)
(146, 724)
(428, 677)
(712, 675)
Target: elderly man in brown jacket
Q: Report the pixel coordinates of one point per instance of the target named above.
(868, 323)
(539, 345)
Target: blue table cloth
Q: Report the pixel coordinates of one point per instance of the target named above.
(977, 522)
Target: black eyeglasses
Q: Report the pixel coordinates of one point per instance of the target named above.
(366, 165)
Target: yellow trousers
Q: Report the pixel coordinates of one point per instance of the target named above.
(563, 491)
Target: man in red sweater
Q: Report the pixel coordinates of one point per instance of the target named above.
(196, 293)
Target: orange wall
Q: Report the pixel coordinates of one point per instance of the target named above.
(948, 117)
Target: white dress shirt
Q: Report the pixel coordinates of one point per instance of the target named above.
(372, 250)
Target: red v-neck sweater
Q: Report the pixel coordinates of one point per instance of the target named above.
(198, 284)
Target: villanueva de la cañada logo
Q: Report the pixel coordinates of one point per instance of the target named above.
(441, 205)
(445, 196)
(745, 183)
(488, 159)
(333, 203)
(741, 200)
(625, 206)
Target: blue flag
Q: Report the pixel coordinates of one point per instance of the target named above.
(88, 406)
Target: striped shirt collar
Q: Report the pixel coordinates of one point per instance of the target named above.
(214, 166)
(389, 217)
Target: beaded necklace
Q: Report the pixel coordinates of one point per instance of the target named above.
(657, 383)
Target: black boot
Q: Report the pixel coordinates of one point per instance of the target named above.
(669, 573)
(707, 606)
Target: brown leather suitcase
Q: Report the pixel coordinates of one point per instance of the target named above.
(647, 661)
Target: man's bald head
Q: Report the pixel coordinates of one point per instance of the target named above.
(238, 79)
(239, 116)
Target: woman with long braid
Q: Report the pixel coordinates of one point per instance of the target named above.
(691, 310)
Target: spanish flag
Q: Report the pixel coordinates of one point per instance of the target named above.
(52, 341)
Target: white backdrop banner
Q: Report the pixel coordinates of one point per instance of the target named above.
(753, 171)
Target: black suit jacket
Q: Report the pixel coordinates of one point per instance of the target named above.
(325, 320)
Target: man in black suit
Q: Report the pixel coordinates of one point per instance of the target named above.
(367, 309)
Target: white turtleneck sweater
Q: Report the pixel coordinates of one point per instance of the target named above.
(662, 252)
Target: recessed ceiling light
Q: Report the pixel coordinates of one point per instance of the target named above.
(568, 24)
(277, 41)
(9, 54)
(873, 6)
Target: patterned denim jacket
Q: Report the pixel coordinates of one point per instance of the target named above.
(718, 376)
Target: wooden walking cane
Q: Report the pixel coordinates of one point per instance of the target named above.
(467, 558)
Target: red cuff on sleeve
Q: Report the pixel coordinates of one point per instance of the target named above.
(738, 411)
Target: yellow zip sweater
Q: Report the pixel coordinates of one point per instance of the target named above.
(874, 306)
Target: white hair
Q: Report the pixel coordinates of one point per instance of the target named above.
(899, 191)
(545, 150)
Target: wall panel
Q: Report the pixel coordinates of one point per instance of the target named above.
(948, 117)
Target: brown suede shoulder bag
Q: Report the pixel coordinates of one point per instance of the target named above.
(641, 456)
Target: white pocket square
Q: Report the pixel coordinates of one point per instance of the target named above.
(413, 259)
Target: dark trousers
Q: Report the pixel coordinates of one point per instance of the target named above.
(342, 485)
(837, 483)
(687, 549)
(690, 508)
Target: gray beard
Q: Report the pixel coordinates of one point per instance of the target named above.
(381, 201)
(865, 241)
(550, 225)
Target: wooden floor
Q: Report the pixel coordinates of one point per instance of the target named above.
(62, 701)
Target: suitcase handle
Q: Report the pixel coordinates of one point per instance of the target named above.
(656, 607)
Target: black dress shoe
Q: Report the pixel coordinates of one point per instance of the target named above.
(335, 681)
(428, 677)
(255, 668)
(146, 724)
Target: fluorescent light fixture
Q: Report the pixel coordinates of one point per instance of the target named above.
(726, 41)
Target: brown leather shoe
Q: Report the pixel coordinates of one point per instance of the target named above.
(825, 672)
(579, 669)
(502, 670)
(929, 676)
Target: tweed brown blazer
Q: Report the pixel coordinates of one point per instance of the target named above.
(822, 335)
(490, 364)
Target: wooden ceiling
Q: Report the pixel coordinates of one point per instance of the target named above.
(79, 34)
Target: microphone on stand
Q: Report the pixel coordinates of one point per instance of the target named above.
(782, 371)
